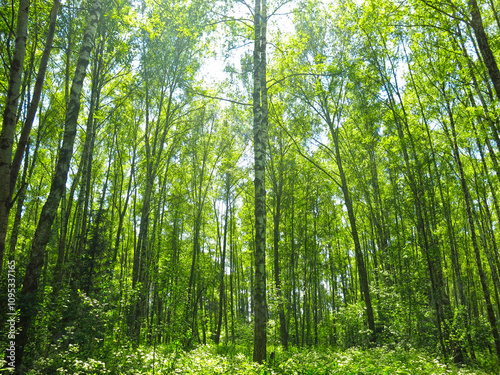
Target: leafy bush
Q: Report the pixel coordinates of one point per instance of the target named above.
(376, 361)
(351, 327)
(220, 359)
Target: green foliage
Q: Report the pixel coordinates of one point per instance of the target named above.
(212, 359)
(376, 361)
(134, 270)
(76, 338)
(351, 326)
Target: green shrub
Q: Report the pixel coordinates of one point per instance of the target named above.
(221, 359)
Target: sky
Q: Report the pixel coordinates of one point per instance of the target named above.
(213, 72)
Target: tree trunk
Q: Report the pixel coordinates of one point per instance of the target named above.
(277, 269)
(28, 300)
(222, 288)
(484, 46)
(10, 120)
(260, 142)
(40, 79)
(362, 273)
(470, 217)
(277, 179)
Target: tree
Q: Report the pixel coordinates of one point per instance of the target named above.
(143, 205)
(10, 120)
(260, 118)
(29, 295)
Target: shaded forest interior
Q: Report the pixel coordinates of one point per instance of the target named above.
(264, 178)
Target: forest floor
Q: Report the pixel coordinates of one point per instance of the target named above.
(212, 359)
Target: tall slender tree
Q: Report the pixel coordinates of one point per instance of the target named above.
(29, 298)
(10, 119)
(260, 117)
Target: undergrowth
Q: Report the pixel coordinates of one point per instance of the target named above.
(212, 359)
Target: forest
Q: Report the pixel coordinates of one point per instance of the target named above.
(266, 187)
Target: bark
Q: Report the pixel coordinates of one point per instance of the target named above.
(260, 142)
(484, 46)
(10, 120)
(82, 206)
(37, 91)
(28, 300)
(27, 173)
